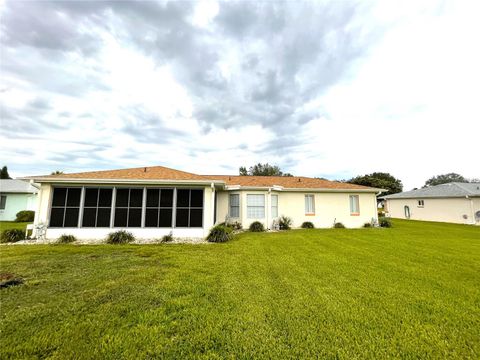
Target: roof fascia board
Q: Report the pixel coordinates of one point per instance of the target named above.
(123, 181)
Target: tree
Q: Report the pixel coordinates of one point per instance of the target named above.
(4, 173)
(379, 180)
(262, 170)
(444, 179)
(56, 172)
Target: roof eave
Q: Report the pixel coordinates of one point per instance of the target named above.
(50, 180)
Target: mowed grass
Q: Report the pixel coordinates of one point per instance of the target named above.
(412, 291)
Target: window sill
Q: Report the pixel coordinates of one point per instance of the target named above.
(355, 214)
(309, 214)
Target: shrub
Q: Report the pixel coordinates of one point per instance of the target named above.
(220, 233)
(385, 222)
(25, 216)
(308, 225)
(367, 225)
(285, 223)
(167, 238)
(338, 225)
(120, 237)
(66, 239)
(12, 235)
(236, 225)
(256, 226)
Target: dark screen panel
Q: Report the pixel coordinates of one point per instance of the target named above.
(196, 198)
(182, 218)
(196, 217)
(136, 197)
(135, 218)
(105, 198)
(59, 196)
(153, 197)
(91, 197)
(166, 198)
(120, 217)
(71, 217)
(183, 198)
(73, 196)
(56, 217)
(165, 218)
(122, 198)
(151, 217)
(89, 215)
(103, 217)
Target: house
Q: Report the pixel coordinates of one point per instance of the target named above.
(15, 196)
(453, 202)
(152, 201)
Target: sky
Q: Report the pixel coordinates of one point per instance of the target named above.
(329, 89)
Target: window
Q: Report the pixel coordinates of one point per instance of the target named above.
(354, 205)
(97, 207)
(3, 202)
(234, 205)
(128, 208)
(274, 206)
(421, 203)
(65, 207)
(309, 205)
(255, 206)
(159, 208)
(189, 208)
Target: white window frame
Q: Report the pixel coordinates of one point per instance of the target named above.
(420, 203)
(255, 207)
(354, 201)
(274, 206)
(309, 210)
(231, 206)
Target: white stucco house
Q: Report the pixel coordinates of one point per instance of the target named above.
(153, 201)
(15, 196)
(453, 202)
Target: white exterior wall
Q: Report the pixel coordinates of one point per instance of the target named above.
(15, 203)
(329, 207)
(444, 210)
(42, 216)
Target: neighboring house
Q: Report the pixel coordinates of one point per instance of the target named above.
(15, 196)
(152, 201)
(453, 202)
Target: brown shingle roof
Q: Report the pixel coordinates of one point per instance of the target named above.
(141, 173)
(164, 173)
(291, 182)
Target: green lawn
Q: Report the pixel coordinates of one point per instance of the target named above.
(412, 291)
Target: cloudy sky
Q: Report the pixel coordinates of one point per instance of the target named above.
(331, 89)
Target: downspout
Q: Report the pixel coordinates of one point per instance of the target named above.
(471, 210)
(214, 207)
(269, 207)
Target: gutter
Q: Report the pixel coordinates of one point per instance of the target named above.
(121, 181)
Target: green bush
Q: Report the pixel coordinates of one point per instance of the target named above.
(308, 225)
(256, 226)
(235, 225)
(367, 225)
(285, 223)
(66, 239)
(120, 237)
(338, 225)
(12, 235)
(220, 233)
(25, 216)
(167, 238)
(385, 222)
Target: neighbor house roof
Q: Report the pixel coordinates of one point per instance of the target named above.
(17, 186)
(163, 174)
(453, 190)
